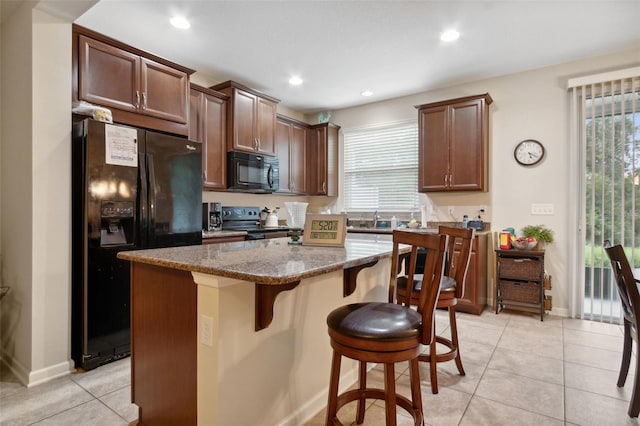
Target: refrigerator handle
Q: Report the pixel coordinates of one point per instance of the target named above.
(142, 201)
(152, 198)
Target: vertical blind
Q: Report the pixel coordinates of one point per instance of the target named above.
(606, 116)
(381, 167)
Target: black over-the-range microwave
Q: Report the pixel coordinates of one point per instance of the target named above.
(252, 172)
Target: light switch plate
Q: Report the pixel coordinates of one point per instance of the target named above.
(542, 209)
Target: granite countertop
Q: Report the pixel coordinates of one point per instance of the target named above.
(269, 261)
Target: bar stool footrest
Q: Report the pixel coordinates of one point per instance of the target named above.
(373, 393)
(442, 357)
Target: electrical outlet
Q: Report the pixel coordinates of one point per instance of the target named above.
(542, 209)
(206, 330)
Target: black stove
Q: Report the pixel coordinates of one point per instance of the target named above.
(246, 219)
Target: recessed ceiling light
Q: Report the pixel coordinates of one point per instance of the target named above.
(450, 35)
(180, 22)
(295, 81)
(366, 93)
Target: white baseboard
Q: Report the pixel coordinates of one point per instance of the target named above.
(52, 372)
(36, 377)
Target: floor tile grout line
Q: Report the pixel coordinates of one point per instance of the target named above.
(596, 367)
(521, 408)
(114, 411)
(486, 367)
(596, 393)
(57, 413)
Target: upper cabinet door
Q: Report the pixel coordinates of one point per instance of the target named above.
(164, 91)
(266, 126)
(291, 149)
(433, 149)
(297, 158)
(215, 131)
(323, 160)
(283, 144)
(107, 75)
(467, 146)
(244, 121)
(208, 125)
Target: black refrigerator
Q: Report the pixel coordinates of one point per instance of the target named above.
(131, 189)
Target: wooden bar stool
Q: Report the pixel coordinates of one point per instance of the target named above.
(630, 299)
(451, 289)
(387, 333)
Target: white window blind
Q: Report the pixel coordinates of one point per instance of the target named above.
(381, 167)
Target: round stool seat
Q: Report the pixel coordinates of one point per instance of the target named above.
(376, 321)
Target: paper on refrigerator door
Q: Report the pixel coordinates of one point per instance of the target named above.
(121, 145)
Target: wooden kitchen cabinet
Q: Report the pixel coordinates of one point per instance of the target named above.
(291, 150)
(322, 160)
(208, 125)
(140, 89)
(453, 148)
(474, 297)
(251, 119)
(520, 280)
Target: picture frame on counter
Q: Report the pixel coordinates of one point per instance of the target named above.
(325, 230)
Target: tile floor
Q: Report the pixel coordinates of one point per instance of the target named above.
(520, 371)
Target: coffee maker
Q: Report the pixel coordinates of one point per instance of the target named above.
(212, 216)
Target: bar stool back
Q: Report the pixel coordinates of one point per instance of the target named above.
(451, 289)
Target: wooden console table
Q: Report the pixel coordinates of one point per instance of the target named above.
(520, 280)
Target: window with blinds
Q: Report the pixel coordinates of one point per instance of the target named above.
(381, 167)
(607, 120)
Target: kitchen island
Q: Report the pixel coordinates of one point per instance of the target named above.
(235, 333)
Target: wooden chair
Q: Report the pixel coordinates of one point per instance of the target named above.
(451, 289)
(630, 298)
(387, 333)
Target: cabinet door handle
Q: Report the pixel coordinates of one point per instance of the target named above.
(293, 185)
(450, 180)
(144, 100)
(259, 144)
(324, 186)
(445, 180)
(137, 99)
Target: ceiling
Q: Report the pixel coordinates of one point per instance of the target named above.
(341, 48)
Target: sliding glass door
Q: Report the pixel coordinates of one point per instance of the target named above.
(609, 119)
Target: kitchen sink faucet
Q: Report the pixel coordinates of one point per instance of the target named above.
(375, 219)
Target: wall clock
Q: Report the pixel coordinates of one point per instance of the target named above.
(528, 152)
